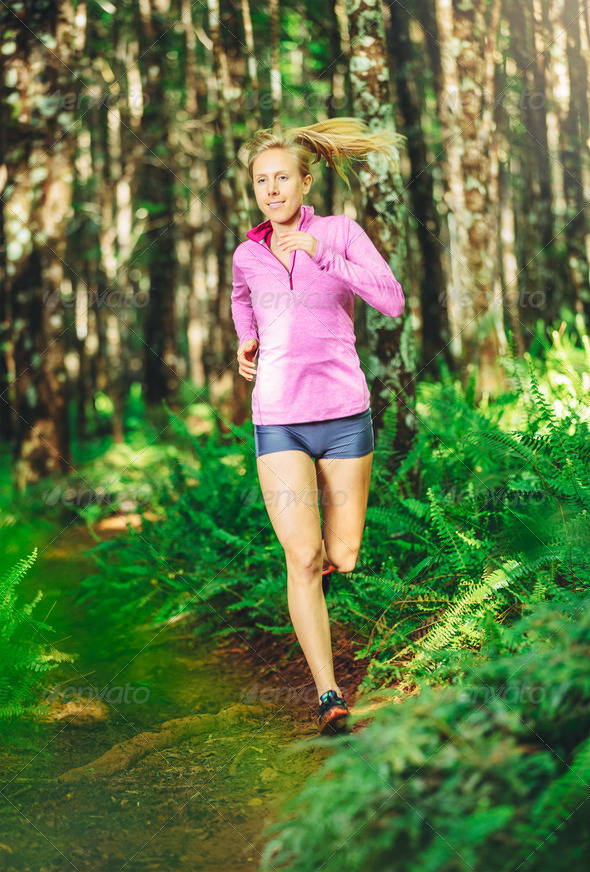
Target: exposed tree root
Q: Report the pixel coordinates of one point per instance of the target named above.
(125, 754)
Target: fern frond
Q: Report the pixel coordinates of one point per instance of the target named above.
(463, 608)
(24, 659)
(11, 578)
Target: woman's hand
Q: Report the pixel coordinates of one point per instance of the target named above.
(292, 239)
(246, 353)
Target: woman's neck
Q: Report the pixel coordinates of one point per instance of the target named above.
(277, 229)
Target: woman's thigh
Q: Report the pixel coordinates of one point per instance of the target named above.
(290, 493)
(343, 493)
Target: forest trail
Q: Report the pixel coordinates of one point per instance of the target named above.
(157, 754)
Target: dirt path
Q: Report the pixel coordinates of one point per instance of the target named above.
(186, 776)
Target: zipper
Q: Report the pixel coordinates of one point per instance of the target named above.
(289, 271)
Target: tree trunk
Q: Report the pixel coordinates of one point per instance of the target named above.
(405, 64)
(275, 72)
(232, 220)
(574, 138)
(508, 258)
(585, 112)
(6, 371)
(40, 172)
(530, 164)
(471, 175)
(390, 359)
(195, 177)
(158, 178)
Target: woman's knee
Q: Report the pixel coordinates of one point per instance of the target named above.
(304, 560)
(344, 559)
(347, 564)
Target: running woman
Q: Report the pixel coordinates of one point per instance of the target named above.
(294, 283)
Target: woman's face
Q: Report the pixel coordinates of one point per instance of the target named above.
(277, 179)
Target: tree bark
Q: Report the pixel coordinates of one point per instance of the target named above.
(231, 214)
(574, 139)
(6, 370)
(157, 191)
(471, 174)
(390, 354)
(530, 164)
(40, 174)
(405, 65)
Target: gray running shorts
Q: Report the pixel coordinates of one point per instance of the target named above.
(351, 436)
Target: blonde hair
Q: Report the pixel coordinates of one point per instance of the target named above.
(336, 140)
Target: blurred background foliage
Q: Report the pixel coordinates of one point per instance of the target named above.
(121, 407)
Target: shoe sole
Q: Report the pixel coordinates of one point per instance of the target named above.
(337, 723)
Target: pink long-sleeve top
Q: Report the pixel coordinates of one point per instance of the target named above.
(308, 368)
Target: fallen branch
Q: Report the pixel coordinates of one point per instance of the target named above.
(125, 754)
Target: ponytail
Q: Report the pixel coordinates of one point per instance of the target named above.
(337, 140)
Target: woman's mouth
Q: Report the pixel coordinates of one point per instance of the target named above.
(275, 205)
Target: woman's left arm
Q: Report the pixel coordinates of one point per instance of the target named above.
(364, 269)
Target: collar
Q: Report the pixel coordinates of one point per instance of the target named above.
(258, 233)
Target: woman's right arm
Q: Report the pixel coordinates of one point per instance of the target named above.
(244, 322)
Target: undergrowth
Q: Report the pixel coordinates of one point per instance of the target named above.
(487, 514)
(25, 657)
(490, 775)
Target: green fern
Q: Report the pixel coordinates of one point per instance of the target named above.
(25, 659)
(464, 610)
(482, 487)
(539, 591)
(465, 779)
(384, 453)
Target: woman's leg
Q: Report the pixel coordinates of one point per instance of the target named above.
(289, 489)
(344, 493)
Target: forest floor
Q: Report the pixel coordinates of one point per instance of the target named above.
(181, 758)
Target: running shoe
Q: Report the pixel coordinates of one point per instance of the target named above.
(333, 714)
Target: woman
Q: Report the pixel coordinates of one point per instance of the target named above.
(294, 283)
